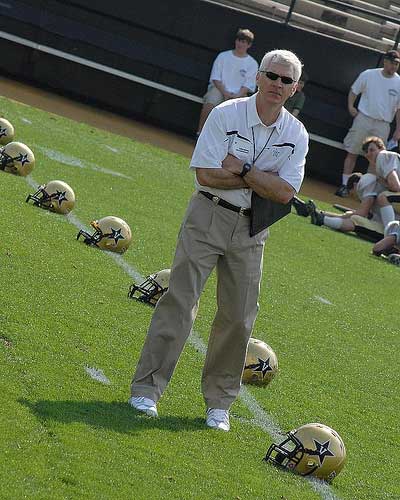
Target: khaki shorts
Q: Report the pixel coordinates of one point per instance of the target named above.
(213, 96)
(362, 127)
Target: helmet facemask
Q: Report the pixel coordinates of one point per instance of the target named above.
(152, 288)
(40, 198)
(7, 162)
(286, 454)
(92, 239)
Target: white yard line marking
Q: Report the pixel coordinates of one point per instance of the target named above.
(324, 301)
(114, 150)
(25, 120)
(264, 421)
(77, 162)
(97, 374)
(261, 417)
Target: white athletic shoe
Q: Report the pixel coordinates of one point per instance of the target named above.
(145, 405)
(394, 258)
(218, 419)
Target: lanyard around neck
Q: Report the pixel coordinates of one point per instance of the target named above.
(255, 158)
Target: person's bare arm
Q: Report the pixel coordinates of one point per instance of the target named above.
(265, 184)
(221, 87)
(219, 178)
(242, 92)
(350, 104)
(392, 181)
(384, 245)
(396, 133)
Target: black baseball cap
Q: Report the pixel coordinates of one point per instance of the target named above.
(392, 55)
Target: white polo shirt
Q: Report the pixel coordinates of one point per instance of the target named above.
(234, 127)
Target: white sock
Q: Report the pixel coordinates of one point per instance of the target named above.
(345, 178)
(333, 222)
(387, 214)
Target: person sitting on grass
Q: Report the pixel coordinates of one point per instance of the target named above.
(364, 188)
(389, 245)
(387, 167)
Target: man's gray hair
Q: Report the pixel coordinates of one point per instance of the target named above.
(285, 57)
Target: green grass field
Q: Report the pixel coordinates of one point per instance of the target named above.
(327, 307)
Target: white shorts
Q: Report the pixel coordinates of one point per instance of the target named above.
(362, 127)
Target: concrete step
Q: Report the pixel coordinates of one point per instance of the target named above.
(341, 33)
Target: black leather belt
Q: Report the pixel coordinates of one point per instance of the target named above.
(219, 201)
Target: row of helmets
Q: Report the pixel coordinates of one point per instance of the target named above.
(311, 450)
(110, 233)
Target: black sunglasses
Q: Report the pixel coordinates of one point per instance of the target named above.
(274, 76)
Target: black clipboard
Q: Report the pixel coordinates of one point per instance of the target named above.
(265, 212)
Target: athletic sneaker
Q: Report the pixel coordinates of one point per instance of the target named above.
(394, 258)
(218, 419)
(145, 405)
(300, 206)
(342, 191)
(317, 217)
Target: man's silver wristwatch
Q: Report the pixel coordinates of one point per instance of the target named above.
(245, 170)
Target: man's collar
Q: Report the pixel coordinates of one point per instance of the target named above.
(253, 118)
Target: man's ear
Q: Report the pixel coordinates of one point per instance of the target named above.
(294, 89)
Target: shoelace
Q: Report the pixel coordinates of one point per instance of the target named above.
(219, 415)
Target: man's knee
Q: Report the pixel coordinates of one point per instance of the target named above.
(382, 200)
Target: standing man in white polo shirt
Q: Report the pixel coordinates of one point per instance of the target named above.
(233, 74)
(248, 145)
(379, 104)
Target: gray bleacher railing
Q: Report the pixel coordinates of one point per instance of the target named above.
(338, 3)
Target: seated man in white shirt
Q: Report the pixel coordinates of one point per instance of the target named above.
(388, 174)
(365, 219)
(233, 74)
(389, 245)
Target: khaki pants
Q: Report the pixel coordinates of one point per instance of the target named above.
(210, 236)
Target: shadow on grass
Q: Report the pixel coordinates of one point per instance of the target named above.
(116, 416)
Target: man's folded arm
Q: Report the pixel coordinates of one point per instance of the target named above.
(265, 184)
(219, 178)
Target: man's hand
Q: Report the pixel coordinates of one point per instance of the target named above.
(396, 135)
(353, 111)
(233, 164)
